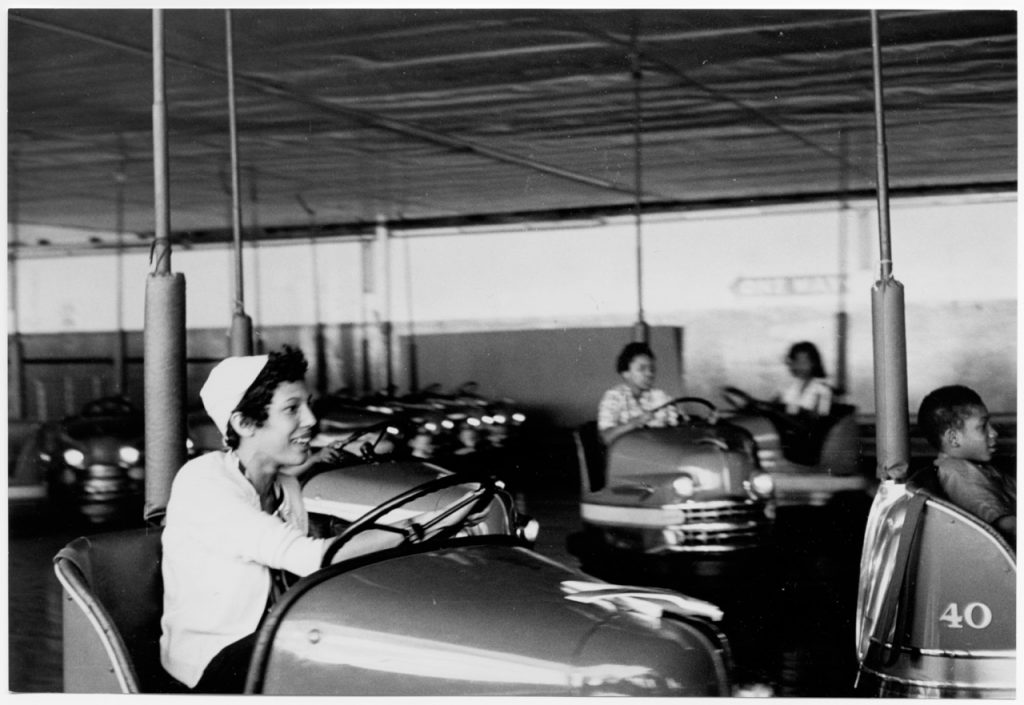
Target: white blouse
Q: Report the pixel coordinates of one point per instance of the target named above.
(218, 548)
(814, 395)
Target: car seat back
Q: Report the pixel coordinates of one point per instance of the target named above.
(113, 599)
(591, 457)
(840, 441)
(924, 480)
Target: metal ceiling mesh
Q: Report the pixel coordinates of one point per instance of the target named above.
(425, 115)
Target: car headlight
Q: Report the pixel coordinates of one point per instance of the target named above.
(129, 455)
(684, 486)
(518, 417)
(393, 431)
(499, 418)
(529, 530)
(75, 458)
(763, 484)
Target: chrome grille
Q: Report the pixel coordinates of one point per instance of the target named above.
(712, 527)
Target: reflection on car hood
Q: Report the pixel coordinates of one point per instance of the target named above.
(349, 492)
(481, 619)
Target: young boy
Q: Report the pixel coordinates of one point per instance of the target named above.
(955, 421)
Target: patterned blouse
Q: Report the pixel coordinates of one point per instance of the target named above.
(619, 405)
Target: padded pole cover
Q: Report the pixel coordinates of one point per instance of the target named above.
(241, 335)
(892, 427)
(164, 363)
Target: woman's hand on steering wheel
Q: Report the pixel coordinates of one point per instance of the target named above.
(434, 525)
(457, 515)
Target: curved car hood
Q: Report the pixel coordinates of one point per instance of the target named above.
(642, 464)
(481, 619)
(349, 492)
(350, 418)
(676, 439)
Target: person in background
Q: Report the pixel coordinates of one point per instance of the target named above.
(635, 402)
(808, 395)
(956, 422)
(235, 519)
(804, 404)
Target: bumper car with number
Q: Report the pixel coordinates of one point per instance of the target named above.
(936, 605)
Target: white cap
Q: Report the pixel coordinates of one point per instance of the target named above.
(226, 386)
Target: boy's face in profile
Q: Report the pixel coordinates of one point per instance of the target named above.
(974, 440)
(640, 373)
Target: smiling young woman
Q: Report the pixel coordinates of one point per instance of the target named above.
(235, 516)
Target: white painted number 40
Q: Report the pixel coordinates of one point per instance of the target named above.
(976, 615)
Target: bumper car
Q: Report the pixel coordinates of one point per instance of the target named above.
(936, 603)
(94, 461)
(691, 490)
(809, 465)
(474, 613)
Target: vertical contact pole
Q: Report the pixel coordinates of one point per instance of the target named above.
(15, 349)
(241, 323)
(641, 332)
(120, 373)
(383, 279)
(161, 244)
(842, 322)
(164, 339)
(881, 153)
(892, 427)
(414, 376)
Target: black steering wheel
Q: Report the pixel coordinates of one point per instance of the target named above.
(478, 499)
(741, 401)
(367, 449)
(679, 401)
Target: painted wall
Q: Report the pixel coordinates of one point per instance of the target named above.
(743, 285)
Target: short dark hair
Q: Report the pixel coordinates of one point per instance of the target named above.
(287, 365)
(629, 352)
(946, 408)
(811, 350)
